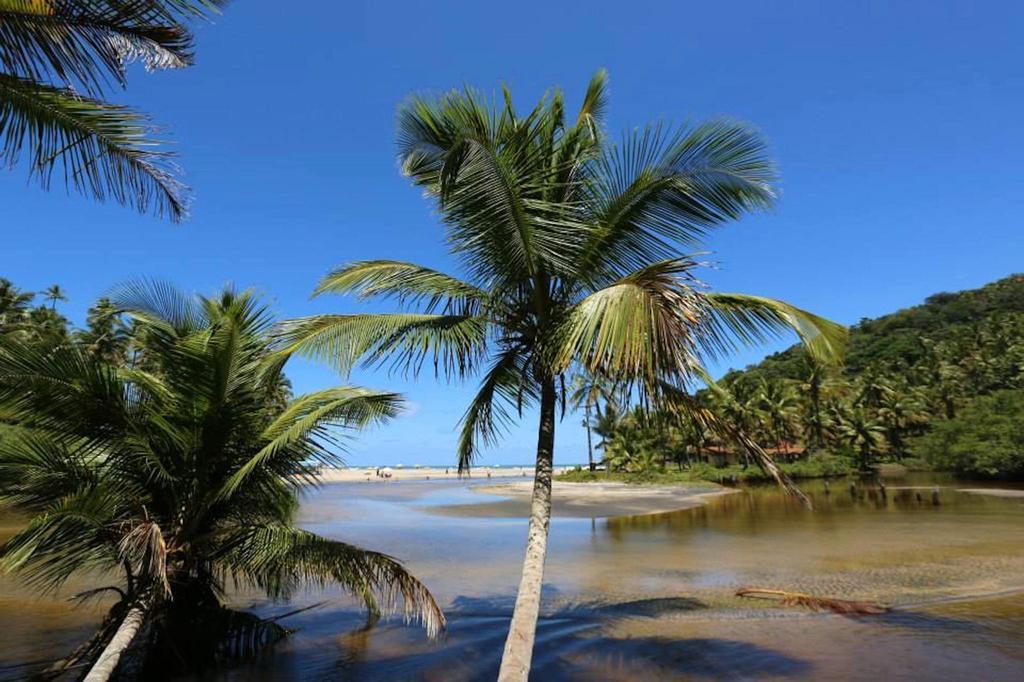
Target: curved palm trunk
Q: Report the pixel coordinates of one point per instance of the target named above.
(106, 664)
(515, 661)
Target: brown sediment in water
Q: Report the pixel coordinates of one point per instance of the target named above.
(586, 500)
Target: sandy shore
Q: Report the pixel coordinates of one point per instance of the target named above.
(352, 474)
(586, 500)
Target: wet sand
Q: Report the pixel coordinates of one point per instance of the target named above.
(585, 500)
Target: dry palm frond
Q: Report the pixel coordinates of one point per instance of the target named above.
(841, 606)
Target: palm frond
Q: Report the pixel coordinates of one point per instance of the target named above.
(754, 319)
(70, 537)
(408, 282)
(640, 328)
(506, 386)
(309, 418)
(658, 190)
(103, 150)
(453, 344)
(277, 558)
(89, 41)
(482, 163)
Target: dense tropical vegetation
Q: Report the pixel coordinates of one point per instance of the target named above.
(160, 447)
(936, 385)
(58, 58)
(573, 251)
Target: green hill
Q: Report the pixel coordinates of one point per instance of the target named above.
(943, 380)
(961, 323)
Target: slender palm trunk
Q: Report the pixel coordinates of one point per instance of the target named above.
(590, 447)
(107, 662)
(515, 661)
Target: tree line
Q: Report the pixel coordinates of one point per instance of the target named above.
(910, 393)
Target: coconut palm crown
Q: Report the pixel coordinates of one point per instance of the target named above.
(573, 251)
(179, 473)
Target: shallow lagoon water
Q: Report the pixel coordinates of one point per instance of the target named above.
(651, 597)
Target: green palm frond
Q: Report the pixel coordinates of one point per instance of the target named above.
(506, 386)
(453, 344)
(658, 190)
(35, 470)
(481, 163)
(308, 421)
(71, 536)
(407, 282)
(278, 558)
(103, 150)
(754, 319)
(639, 328)
(88, 41)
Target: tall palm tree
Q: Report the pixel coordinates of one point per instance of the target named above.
(587, 392)
(778, 404)
(814, 385)
(570, 246)
(54, 294)
(57, 58)
(180, 476)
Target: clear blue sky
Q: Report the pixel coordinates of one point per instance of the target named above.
(896, 126)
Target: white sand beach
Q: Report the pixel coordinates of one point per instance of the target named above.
(353, 474)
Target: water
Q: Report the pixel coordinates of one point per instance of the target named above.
(651, 597)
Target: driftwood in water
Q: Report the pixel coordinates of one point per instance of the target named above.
(842, 606)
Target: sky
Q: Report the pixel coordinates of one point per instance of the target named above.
(896, 128)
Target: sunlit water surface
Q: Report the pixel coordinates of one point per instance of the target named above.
(649, 597)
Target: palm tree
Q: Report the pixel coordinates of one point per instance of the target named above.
(14, 305)
(861, 430)
(778, 404)
(570, 250)
(53, 294)
(813, 387)
(587, 391)
(56, 59)
(106, 334)
(181, 476)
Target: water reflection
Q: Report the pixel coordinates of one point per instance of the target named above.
(651, 597)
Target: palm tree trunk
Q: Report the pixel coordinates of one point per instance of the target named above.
(515, 661)
(106, 664)
(590, 447)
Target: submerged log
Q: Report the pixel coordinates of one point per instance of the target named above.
(841, 606)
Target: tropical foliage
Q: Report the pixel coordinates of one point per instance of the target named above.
(986, 439)
(910, 372)
(175, 473)
(57, 60)
(572, 250)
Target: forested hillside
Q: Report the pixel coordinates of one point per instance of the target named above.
(914, 388)
(979, 330)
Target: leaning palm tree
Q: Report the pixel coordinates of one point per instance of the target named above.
(570, 250)
(179, 477)
(57, 59)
